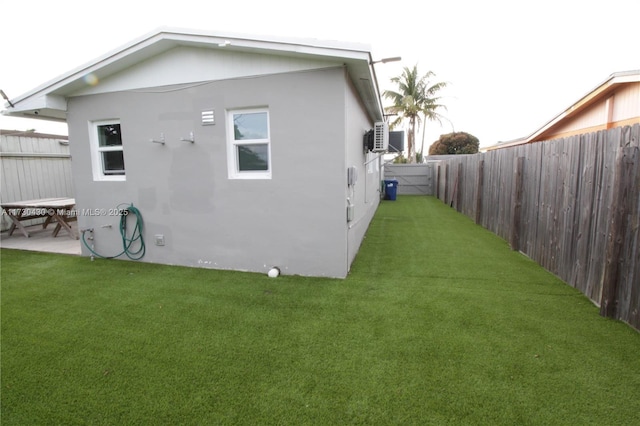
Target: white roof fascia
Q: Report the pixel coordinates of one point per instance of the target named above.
(263, 42)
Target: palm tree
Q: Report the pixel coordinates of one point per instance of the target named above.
(415, 100)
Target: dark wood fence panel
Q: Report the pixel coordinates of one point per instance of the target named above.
(565, 204)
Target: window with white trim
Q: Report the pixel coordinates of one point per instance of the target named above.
(106, 150)
(249, 144)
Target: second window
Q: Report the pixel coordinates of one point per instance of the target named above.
(249, 148)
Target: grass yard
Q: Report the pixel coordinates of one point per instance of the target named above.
(439, 322)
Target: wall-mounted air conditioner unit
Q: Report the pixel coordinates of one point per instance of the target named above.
(380, 137)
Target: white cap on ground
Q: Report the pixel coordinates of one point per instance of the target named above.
(274, 272)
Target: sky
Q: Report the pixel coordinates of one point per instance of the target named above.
(510, 67)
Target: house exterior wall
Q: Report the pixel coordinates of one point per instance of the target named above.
(627, 104)
(591, 119)
(365, 194)
(296, 220)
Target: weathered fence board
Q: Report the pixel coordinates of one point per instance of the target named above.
(556, 205)
(516, 221)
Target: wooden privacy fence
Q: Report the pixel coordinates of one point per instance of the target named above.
(33, 166)
(572, 205)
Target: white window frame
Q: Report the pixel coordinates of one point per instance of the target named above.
(232, 144)
(97, 150)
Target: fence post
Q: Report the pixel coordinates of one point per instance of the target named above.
(516, 219)
(445, 170)
(455, 196)
(479, 191)
(437, 172)
(459, 193)
(622, 187)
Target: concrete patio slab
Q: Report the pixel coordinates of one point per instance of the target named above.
(42, 240)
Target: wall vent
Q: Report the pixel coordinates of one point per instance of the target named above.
(208, 118)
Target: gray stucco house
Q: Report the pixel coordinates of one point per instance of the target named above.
(240, 153)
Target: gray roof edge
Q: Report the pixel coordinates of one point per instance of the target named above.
(623, 74)
(294, 41)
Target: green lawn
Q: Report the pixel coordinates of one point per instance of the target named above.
(439, 322)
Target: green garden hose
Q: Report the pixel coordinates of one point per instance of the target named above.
(128, 242)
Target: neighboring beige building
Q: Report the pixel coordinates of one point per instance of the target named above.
(613, 103)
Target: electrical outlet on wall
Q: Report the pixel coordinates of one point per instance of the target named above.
(159, 239)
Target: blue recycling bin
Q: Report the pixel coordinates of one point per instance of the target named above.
(390, 189)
